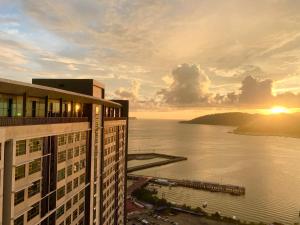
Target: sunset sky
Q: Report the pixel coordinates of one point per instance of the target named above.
(171, 58)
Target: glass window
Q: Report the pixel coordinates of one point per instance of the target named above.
(68, 204)
(75, 183)
(76, 167)
(34, 211)
(69, 170)
(83, 135)
(76, 151)
(75, 214)
(70, 153)
(35, 145)
(82, 178)
(81, 208)
(35, 166)
(68, 220)
(62, 139)
(70, 138)
(60, 192)
(61, 156)
(20, 172)
(75, 199)
(82, 164)
(19, 197)
(81, 194)
(60, 211)
(21, 147)
(19, 220)
(69, 187)
(82, 149)
(61, 174)
(77, 136)
(34, 189)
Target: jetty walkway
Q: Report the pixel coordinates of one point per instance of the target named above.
(206, 186)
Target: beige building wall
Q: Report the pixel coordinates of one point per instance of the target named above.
(30, 133)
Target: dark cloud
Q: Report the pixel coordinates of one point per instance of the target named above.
(189, 86)
(254, 91)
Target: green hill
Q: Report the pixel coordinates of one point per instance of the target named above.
(254, 124)
(224, 119)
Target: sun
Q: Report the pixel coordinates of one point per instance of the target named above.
(279, 110)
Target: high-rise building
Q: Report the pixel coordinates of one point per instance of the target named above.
(63, 153)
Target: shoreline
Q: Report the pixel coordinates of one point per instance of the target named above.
(263, 134)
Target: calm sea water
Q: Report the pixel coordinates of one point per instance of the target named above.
(269, 168)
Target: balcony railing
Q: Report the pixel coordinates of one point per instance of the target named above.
(114, 118)
(21, 121)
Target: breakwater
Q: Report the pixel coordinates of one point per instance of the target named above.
(200, 185)
(166, 159)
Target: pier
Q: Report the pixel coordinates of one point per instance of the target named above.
(200, 185)
(166, 159)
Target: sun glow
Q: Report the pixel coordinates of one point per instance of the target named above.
(279, 110)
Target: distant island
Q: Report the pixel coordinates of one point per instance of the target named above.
(254, 124)
(224, 119)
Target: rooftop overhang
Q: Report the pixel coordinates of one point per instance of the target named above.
(20, 88)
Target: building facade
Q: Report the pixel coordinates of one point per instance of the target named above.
(63, 151)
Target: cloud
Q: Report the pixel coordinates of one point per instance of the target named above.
(189, 86)
(255, 92)
(123, 40)
(131, 93)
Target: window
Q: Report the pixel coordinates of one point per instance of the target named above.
(75, 199)
(21, 148)
(82, 164)
(20, 172)
(60, 192)
(75, 214)
(82, 149)
(19, 220)
(76, 167)
(35, 166)
(35, 145)
(70, 153)
(62, 140)
(34, 211)
(77, 136)
(61, 156)
(76, 152)
(81, 208)
(82, 178)
(68, 220)
(34, 188)
(83, 135)
(19, 197)
(75, 183)
(81, 194)
(70, 138)
(60, 211)
(61, 174)
(69, 187)
(68, 204)
(81, 222)
(69, 170)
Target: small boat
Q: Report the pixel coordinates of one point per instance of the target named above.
(204, 205)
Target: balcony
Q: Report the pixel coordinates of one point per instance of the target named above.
(22, 121)
(114, 118)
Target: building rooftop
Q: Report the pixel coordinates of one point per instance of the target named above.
(19, 88)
